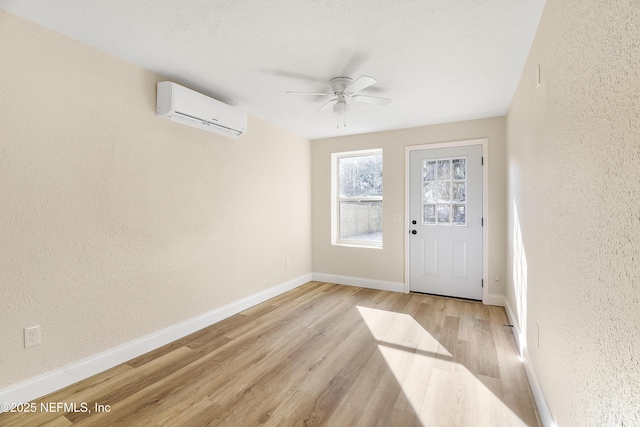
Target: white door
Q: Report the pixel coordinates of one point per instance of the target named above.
(445, 249)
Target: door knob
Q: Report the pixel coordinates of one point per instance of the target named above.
(414, 232)
(414, 222)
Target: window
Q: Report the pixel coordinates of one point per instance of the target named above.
(357, 198)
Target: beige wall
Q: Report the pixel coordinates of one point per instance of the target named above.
(115, 223)
(574, 173)
(388, 264)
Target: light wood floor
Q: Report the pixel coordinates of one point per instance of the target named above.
(321, 354)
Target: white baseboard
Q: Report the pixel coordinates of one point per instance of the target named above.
(536, 389)
(380, 285)
(55, 380)
(517, 334)
(492, 299)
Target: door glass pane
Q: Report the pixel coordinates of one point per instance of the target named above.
(430, 192)
(459, 215)
(444, 195)
(361, 220)
(429, 170)
(444, 169)
(428, 214)
(459, 167)
(444, 214)
(459, 191)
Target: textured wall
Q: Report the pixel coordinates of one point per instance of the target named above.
(574, 204)
(116, 223)
(388, 264)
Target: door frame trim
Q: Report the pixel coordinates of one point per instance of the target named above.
(485, 204)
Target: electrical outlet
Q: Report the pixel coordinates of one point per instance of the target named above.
(287, 263)
(31, 336)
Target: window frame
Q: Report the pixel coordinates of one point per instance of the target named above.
(336, 199)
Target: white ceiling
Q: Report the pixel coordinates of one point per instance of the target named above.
(440, 61)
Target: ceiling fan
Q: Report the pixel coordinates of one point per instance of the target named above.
(343, 91)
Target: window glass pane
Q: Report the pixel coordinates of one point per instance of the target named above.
(459, 215)
(430, 192)
(361, 221)
(459, 167)
(360, 176)
(444, 194)
(444, 169)
(459, 191)
(428, 214)
(444, 214)
(429, 170)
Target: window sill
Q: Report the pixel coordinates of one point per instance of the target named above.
(357, 245)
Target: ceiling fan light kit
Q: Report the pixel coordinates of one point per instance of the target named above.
(341, 108)
(343, 92)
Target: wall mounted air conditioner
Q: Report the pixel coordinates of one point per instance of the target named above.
(189, 107)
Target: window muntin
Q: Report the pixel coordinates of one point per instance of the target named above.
(357, 204)
(444, 195)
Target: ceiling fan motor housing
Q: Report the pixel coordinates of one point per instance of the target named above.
(339, 84)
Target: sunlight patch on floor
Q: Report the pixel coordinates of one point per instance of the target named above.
(429, 377)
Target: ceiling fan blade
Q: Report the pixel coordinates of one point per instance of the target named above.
(331, 103)
(362, 83)
(371, 99)
(309, 93)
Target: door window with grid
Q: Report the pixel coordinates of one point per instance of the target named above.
(444, 195)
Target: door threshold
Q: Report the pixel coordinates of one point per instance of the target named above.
(446, 296)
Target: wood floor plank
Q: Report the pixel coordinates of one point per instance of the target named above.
(516, 389)
(321, 354)
(304, 306)
(58, 422)
(306, 291)
(498, 315)
(486, 360)
(381, 407)
(312, 376)
(439, 407)
(353, 406)
(139, 379)
(201, 413)
(84, 391)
